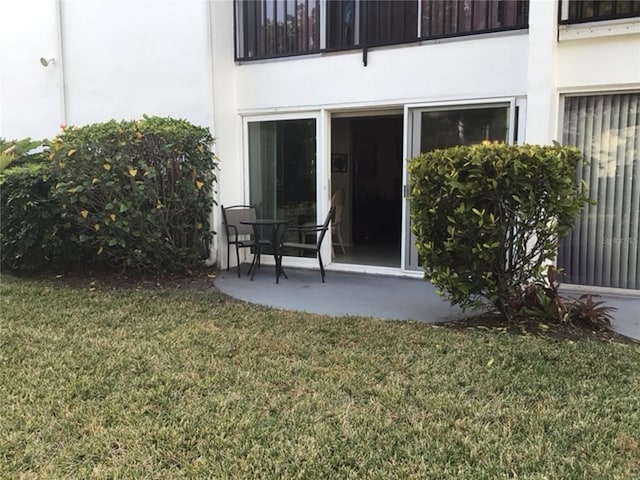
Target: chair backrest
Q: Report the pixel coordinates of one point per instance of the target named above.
(325, 226)
(234, 215)
(337, 200)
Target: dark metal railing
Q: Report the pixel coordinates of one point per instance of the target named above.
(277, 28)
(466, 17)
(581, 11)
(273, 28)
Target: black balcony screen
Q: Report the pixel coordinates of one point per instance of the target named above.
(389, 21)
(449, 18)
(275, 28)
(341, 24)
(271, 28)
(590, 11)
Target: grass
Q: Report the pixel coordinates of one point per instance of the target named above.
(172, 383)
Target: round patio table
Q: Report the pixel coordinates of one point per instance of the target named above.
(273, 225)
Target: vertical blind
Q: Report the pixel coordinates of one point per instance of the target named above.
(604, 246)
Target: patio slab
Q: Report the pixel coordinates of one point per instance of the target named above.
(379, 296)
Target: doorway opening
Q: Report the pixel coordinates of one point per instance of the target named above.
(366, 171)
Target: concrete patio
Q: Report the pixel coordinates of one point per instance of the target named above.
(378, 296)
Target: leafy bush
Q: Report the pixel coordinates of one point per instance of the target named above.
(587, 312)
(488, 217)
(135, 193)
(542, 301)
(30, 218)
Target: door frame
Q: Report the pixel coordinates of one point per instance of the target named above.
(322, 172)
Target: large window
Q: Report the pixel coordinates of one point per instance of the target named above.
(578, 11)
(604, 247)
(282, 169)
(273, 28)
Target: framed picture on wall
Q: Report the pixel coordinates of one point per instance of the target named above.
(339, 162)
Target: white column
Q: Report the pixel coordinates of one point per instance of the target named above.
(226, 123)
(541, 125)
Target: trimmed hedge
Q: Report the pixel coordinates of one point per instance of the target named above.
(131, 194)
(487, 218)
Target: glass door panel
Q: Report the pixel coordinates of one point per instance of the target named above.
(282, 169)
(444, 127)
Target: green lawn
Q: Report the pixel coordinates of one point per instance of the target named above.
(170, 383)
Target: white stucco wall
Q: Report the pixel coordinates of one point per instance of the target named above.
(601, 62)
(493, 66)
(119, 59)
(30, 102)
(126, 59)
(228, 125)
(542, 95)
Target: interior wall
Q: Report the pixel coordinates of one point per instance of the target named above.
(341, 144)
(377, 182)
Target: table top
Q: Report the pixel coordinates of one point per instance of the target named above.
(265, 221)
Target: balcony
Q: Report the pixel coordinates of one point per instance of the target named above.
(279, 28)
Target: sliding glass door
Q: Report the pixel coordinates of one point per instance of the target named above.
(442, 127)
(282, 168)
(604, 247)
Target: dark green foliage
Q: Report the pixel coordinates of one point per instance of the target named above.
(29, 217)
(131, 194)
(543, 302)
(488, 217)
(136, 193)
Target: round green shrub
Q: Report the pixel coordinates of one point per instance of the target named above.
(488, 217)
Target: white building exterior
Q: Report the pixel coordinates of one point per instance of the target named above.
(122, 59)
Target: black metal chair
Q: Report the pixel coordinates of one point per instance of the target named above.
(231, 218)
(304, 230)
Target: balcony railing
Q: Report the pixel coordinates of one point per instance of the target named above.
(581, 11)
(277, 28)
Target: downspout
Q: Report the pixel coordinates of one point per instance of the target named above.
(60, 63)
(213, 248)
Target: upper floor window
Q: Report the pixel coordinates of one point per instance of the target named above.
(579, 11)
(272, 28)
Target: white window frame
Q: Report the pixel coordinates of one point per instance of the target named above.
(322, 174)
(582, 92)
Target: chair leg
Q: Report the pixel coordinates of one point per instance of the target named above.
(228, 253)
(278, 267)
(238, 259)
(321, 266)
